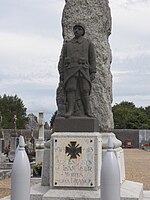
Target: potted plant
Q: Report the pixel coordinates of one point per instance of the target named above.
(37, 170)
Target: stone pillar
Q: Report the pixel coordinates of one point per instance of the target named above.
(40, 140)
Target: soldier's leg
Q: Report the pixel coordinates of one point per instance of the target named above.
(70, 95)
(85, 94)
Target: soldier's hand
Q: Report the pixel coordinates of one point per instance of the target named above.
(92, 76)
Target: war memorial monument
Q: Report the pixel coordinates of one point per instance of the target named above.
(73, 157)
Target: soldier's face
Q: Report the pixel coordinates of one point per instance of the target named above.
(78, 31)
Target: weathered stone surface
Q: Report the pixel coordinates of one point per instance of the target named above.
(75, 167)
(76, 159)
(95, 15)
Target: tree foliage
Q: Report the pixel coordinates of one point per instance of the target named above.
(9, 107)
(128, 116)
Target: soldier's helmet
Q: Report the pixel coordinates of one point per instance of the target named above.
(81, 25)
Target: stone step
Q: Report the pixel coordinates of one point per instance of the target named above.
(129, 191)
(146, 196)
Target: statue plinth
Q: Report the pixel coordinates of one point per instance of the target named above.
(76, 124)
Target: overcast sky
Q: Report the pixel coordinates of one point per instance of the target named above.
(31, 41)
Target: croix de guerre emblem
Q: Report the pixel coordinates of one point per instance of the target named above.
(73, 150)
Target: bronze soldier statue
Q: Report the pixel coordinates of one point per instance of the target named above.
(77, 68)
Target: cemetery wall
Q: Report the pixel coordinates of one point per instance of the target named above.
(128, 135)
(24, 132)
(133, 135)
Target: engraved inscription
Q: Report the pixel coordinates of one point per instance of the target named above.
(74, 164)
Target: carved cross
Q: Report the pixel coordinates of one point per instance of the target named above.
(73, 150)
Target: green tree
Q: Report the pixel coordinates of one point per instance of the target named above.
(9, 107)
(147, 110)
(127, 116)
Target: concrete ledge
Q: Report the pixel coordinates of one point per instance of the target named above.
(131, 190)
(146, 195)
(54, 194)
(37, 191)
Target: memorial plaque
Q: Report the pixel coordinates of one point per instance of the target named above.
(74, 164)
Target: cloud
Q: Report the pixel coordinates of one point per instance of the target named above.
(30, 69)
(131, 51)
(130, 2)
(131, 80)
(39, 17)
(31, 41)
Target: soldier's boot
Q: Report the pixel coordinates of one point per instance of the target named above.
(87, 106)
(71, 103)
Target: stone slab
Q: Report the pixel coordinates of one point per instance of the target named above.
(129, 191)
(76, 159)
(74, 162)
(76, 124)
(45, 179)
(37, 192)
(146, 195)
(71, 195)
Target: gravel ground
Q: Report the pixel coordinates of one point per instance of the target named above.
(4, 187)
(137, 165)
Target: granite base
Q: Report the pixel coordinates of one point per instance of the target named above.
(76, 124)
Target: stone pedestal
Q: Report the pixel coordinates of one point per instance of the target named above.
(76, 124)
(72, 166)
